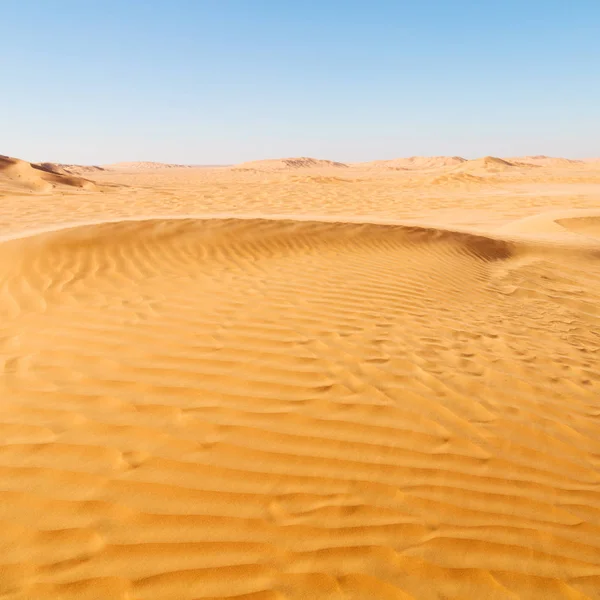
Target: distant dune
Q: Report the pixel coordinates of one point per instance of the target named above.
(487, 164)
(414, 162)
(286, 164)
(545, 161)
(411, 163)
(19, 174)
(145, 166)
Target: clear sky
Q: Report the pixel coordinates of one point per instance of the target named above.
(223, 81)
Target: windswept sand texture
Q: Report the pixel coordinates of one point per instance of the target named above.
(311, 383)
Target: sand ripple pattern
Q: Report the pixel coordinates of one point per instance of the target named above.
(270, 409)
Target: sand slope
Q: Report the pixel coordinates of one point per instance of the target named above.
(16, 174)
(273, 409)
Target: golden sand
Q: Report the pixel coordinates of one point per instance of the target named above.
(307, 381)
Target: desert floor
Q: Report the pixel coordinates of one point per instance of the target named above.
(301, 381)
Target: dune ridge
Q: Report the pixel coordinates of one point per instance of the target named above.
(297, 408)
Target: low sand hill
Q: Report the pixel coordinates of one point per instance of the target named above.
(287, 164)
(415, 163)
(222, 384)
(18, 174)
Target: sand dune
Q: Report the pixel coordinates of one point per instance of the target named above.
(286, 164)
(487, 164)
(369, 386)
(65, 169)
(18, 174)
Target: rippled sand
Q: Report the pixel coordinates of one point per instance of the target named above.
(321, 382)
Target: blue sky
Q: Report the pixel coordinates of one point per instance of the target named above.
(223, 81)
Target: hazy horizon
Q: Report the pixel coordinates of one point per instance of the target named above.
(222, 83)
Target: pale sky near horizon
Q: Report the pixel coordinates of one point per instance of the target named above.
(225, 81)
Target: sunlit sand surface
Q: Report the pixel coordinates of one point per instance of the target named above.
(301, 381)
